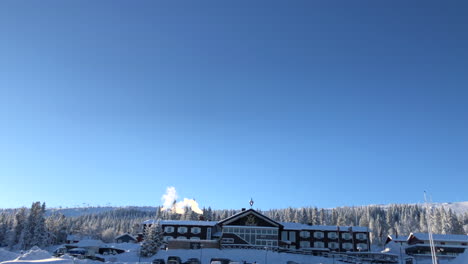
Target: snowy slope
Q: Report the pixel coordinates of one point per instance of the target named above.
(7, 255)
(457, 207)
(37, 255)
(77, 211)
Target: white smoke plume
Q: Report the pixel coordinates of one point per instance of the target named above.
(170, 203)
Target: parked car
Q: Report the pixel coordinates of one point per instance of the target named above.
(220, 261)
(60, 251)
(174, 260)
(78, 252)
(192, 261)
(159, 261)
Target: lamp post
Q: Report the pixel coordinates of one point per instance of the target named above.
(266, 254)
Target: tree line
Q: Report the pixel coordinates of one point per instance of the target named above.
(23, 228)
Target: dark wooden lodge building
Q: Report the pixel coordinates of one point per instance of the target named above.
(251, 229)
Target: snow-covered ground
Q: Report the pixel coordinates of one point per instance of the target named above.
(36, 255)
(7, 255)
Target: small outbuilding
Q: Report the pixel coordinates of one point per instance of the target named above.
(125, 238)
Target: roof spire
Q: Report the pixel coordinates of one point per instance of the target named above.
(251, 203)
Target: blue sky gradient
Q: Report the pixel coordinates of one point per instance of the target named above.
(293, 103)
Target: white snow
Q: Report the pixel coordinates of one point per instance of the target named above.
(89, 243)
(7, 255)
(182, 222)
(440, 237)
(457, 207)
(37, 255)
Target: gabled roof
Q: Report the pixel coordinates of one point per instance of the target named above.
(440, 237)
(89, 243)
(126, 234)
(241, 214)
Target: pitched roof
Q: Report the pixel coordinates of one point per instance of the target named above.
(441, 237)
(181, 222)
(126, 234)
(89, 243)
(298, 226)
(247, 212)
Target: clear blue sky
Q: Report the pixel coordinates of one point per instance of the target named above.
(293, 103)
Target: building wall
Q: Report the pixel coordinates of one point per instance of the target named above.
(187, 231)
(333, 240)
(343, 240)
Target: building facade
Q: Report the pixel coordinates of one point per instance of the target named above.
(251, 229)
(446, 246)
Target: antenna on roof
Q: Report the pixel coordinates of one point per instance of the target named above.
(429, 229)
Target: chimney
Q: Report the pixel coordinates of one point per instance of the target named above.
(243, 209)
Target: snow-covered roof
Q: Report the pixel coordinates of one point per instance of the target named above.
(440, 237)
(396, 238)
(437, 245)
(247, 212)
(298, 226)
(182, 222)
(126, 234)
(75, 237)
(89, 243)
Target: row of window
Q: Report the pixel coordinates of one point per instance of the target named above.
(332, 235)
(332, 245)
(182, 230)
(167, 238)
(258, 242)
(258, 231)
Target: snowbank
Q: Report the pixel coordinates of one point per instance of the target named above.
(35, 253)
(42, 261)
(7, 255)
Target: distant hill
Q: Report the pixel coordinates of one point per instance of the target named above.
(457, 207)
(78, 211)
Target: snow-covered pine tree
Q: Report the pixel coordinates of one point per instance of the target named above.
(3, 229)
(41, 236)
(20, 222)
(315, 216)
(34, 232)
(152, 240)
(322, 217)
